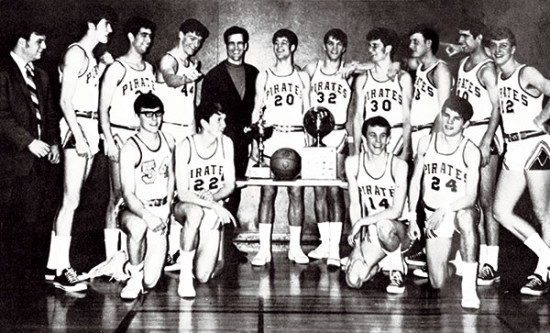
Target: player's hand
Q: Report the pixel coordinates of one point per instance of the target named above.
(83, 149)
(347, 70)
(485, 154)
(106, 58)
(192, 72)
(413, 231)
(206, 195)
(111, 149)
(155, 223)
(435, 219)
(394, 69)
(224, 216)
(39, 148)
(540, 122)
(54, 156)
(355, 232)
(452, 49)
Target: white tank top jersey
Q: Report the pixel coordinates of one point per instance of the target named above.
(445, 175)
(332, 92)
(283, 99)
(179, 102)
(86, 92)
(383, 99)
(471, 89)
(425, 105)
(205, 172)
(376, 194)
(518, 107)
(134, 82)
(152, 170)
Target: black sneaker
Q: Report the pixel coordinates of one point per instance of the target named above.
(416, 259)
(68, 281)
(172, 262)
(535, 286)
(487, 276)
(396, 286)
(49, 275)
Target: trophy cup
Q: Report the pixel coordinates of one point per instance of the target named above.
(260, 133)
(318, 122)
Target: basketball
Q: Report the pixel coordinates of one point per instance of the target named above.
(285, 164)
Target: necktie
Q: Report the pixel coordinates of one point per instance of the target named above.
(29, 79)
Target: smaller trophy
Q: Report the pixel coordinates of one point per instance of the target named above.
(318, 122)
(260, 133)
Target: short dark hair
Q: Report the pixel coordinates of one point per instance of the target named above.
(135, 23)
(388, 37)
(499, 33)
(288, 34)
(428, 33)
(193, 25)
(147, 100)
(206, 110)
(234, 30)
(460, 106)
(95, 13)
(24, 29)
(375, 121)
(474, 26)
(337, 34)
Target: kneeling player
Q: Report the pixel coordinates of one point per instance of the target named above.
(377, 190)
(447, 170)
(147, 178)
(205, 175)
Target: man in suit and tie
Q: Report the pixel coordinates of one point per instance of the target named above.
(231, 83)
(29, 142)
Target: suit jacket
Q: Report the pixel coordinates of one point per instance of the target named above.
(218, 86)
(18, 123)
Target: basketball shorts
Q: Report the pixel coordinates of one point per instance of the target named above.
(529, 154)
(163, 210)
(476, 132)
(89, 128)
(294, 140)
(446, 228)
(178, 132)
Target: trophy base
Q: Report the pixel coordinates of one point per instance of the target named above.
(262, 172)
(319, 163)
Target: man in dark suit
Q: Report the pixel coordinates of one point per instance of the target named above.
(232, 84)
(29, 142)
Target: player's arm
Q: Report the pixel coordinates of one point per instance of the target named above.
(306, 81)
(531, 78)
(443, 81)
(229, 182)
(167, 72)
(171, 172)
(472, 158)
(351, 165)
(114, 74)
(261, 81)
(488, 77)
(415, 186)
(405, 81)
(129, 158)
(359, 109)
(72, 64)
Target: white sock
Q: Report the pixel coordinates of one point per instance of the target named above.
(134, 270)
(335, 235)
(537, 245)
(174, 238)
(492, 256)
(64, 246)
(111, 241)
(123, 241)
(483, 255)
(295, 239)
(186, 261)
(393, 261)
(324, 233)
(469, 279)
(542, 269)
(264, 235)
(52, 256)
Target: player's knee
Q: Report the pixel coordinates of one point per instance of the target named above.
(466, 220)
(133, 226)
(353, 280)
(268, 193)
(71, 201)
(151, 280)
(295, 194)
(188, 214)
(387, 235)
(203, 276)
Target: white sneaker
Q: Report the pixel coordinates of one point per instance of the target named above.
(186, 289)
(261, 259)
(321, 252)
(133, 288)
(298, 257)
(113, 267)
(344, 262)
(421, 272)
(471, 302)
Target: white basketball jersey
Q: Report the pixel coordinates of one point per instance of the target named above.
(444, 178)
(425, 105)
(86, 92)
(332, 92)
(152, 171)
(134, 82)
(283, 99)
(179, 102)
(383, 99)
(375, 193)
(518, 108)
(471, 89)
(205, 172)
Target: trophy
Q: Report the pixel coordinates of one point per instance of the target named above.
(260, 133)
(318, 122)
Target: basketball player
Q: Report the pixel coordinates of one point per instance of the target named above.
(232, 84)
(447, 172)
(205, 176)
(79, 74)
(432, 85)
(179, 72)
(382, 92)
(526, 163)
(128, 76)
(147, 179)
(377, 182)
(332, 91)
(284, 91)
(476, 82)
